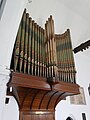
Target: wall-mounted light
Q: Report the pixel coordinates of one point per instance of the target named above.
(89, 89)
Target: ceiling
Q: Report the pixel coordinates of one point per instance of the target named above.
(72, 14)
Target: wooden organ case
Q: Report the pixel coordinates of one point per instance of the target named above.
(43, 69)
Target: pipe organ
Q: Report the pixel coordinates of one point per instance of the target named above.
(42, 64)
(41, 52)
(66, 65)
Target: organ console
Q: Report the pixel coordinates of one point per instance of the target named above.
(43, 69)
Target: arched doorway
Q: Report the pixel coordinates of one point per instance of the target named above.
(69, 118)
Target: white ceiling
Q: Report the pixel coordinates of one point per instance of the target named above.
(72, 14)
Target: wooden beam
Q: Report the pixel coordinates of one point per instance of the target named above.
(82, 47)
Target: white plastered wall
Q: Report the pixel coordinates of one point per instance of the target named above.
(9, 23)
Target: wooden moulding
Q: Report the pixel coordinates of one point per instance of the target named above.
(29, 81)
(66, 87)
(35, 115)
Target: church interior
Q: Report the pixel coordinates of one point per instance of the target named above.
(44, 60)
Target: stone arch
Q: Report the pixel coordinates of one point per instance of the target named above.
(71, 117)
